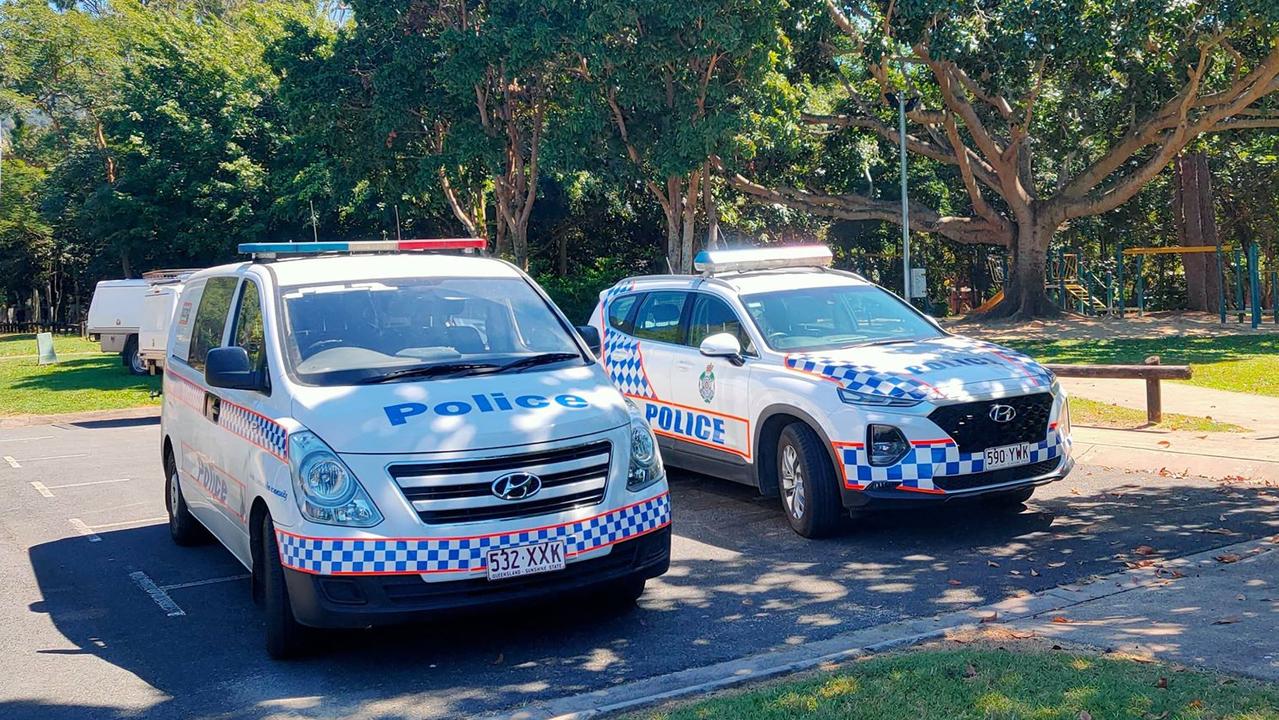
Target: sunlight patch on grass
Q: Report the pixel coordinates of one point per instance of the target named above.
(76, 384)
(992, 684)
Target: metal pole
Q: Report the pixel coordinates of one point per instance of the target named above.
(397, 223)
(1119, 266)
(1254, 286)
(901, 133)
(1141, 286)
(1221, 285)
(1274, 294)
(1239, 281)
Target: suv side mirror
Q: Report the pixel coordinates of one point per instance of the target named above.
(591, 336)
(723, 345)
(228, 367)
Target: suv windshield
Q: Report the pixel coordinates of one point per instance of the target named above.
(826, 318)
(413, 328)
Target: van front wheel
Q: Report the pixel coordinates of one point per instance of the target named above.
(285, 636)
(810, 493)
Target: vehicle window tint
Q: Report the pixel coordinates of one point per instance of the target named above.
(248, 325)
(183, 318)
(619, 309)
(712, 316)
(659, 315)
(210, 319)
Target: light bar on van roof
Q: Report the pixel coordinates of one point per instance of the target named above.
(364, 246)
(765, 258)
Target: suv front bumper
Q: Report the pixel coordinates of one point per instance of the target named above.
(356, 601)
(889, 494)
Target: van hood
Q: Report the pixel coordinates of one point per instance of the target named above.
(459, 414)
(951, 367)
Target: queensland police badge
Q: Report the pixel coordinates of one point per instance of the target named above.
(706, 383)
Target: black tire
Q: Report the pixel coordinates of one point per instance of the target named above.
(130, 358)
(285, 637)
(1011, 500)
(184, 529)
(807, 484)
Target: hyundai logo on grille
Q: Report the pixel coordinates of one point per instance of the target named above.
(1002, 413)
(517, 486)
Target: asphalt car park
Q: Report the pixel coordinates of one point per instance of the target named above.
(103, 617)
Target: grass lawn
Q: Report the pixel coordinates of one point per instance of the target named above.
(993, 684)
(1099, 414)
(1243, 363)
(76, 384)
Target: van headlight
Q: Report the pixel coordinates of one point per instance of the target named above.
(326, 489)
(646, 462)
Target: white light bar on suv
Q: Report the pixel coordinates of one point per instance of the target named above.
(767, 258)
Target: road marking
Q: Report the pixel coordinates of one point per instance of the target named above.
(84, 530)
(157, 594)
(40, 488)
(198, 583)
(41, 437)
(48, 457)
(83, 484)
(103, 526)
(12, 463)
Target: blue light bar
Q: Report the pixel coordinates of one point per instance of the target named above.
(366, 246)
(765, 258)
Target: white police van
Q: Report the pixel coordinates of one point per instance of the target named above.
(773, 369)
(378, 434)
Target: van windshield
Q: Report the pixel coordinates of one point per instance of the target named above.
(414, 328)
(827, 318)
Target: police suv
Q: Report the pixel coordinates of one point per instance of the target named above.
(378, 433)
(775, 370)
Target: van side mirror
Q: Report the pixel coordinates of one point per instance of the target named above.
(229, 367)
(591, 336)
(723, 345)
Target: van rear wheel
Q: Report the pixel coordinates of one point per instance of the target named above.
(285, 636)
(131, 358)
(184, 529)
(810, 493)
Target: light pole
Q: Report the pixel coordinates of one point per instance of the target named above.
(894, 99)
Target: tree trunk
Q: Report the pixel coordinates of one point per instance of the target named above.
(1024, 295)
(1196, 226)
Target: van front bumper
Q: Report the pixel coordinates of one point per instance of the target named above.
(356, 601)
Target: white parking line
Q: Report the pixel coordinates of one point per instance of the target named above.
(40, 488)
(157, 594)
(83, 484)
(38, 437)
(198, 583)
(143, 521)
(84, 530)
(47, 457)
(12, 463)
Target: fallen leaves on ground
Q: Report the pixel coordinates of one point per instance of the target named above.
(1228, 620)
(1144, 550)
(989, 618)
(1227, 558)
(1062, 620)
(954, 583)
(1162, 684)
(991, 563)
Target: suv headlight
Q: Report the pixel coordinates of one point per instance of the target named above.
(1063, 422)
(646, 462)
(854, 397)
(326, 489)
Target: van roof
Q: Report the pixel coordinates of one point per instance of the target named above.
(343, 268)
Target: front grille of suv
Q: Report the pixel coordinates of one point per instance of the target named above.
(461, 490)
(971, 427)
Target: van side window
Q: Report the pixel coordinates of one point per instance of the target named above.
(248, 326)
(210, 319)
(712, 316)
(659, 315)
(619, 309)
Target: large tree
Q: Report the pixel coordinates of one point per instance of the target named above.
(1047, 110)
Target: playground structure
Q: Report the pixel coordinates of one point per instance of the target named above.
(1120, 286)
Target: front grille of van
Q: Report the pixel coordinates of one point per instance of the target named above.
(460, 491)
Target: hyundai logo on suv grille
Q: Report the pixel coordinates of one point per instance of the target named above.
(1002, 413)
(517, 486)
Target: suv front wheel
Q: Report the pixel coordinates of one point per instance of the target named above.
(809, 490)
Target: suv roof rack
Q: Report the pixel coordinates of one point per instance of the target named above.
(277, 250)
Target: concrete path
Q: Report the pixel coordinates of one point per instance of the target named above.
(1221, 613)
(1223, 456)
(1256, 412)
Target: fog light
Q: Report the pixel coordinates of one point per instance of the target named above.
(887, 444)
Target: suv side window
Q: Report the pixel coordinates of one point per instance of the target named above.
(659, 316)
(712, 316)
(248, 332)
(619, 311)
(210, 319)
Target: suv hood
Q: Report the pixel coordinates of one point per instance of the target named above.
(952, 367)
(459, 414)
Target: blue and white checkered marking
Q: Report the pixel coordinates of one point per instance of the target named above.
(862, 378)
(261, 431)
(336, 556)
(923, 463)
(623, 359)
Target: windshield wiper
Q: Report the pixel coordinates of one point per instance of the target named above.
(534, 360)
(438, 370)
(888, 342)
